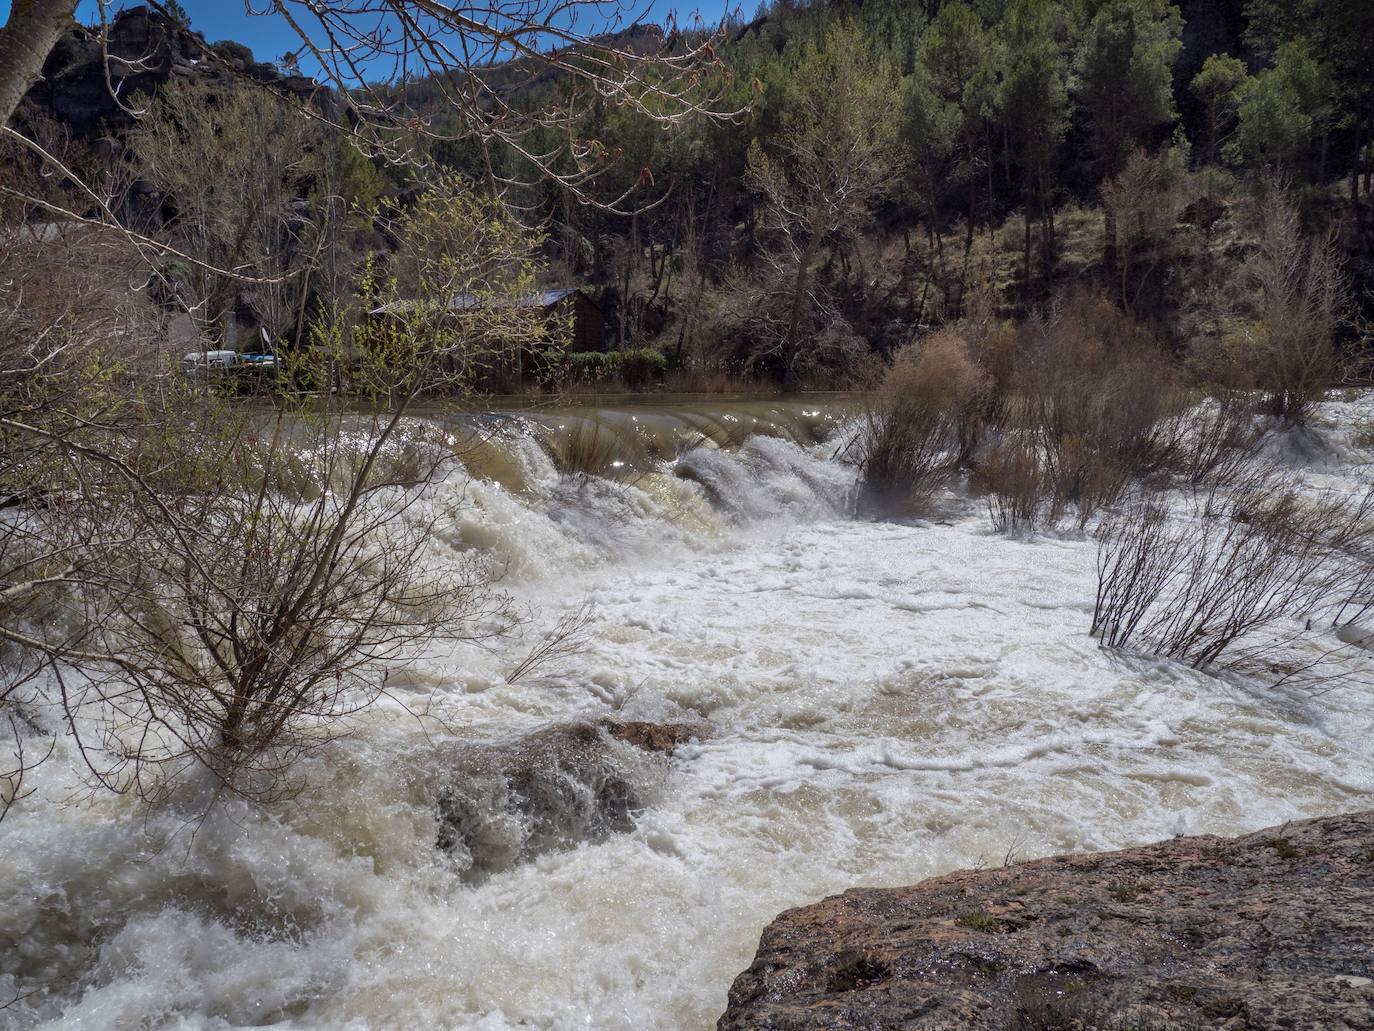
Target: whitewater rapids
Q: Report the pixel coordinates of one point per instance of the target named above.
(889, 701)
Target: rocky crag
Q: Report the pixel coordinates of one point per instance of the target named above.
(145, 51)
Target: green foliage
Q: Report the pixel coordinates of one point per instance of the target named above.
(1281, 109)
(1125, 73)
(451, 313)
(979, 922)
(177, 13)
(931, 120)
(817, 184)
(644, 365)
(1337, 33)
(355, 178)
(1034, 99)
(233, 52)
(961, 60)
(1218, 87)
(593, 366)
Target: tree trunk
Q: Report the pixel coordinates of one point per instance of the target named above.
(1355, 165)
(972, 210)
(1109, 254)
(33, 28)
(689, 319)
(1026, 257)
(794, 319)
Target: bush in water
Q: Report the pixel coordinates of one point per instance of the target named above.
(1243, 561)
(910, 443)
(1061, 419)
(252, 577)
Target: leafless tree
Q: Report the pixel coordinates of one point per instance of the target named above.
(1214, 440)
(232, 164)
(30, 33)
(260, 572)
(262, 601)
(1143, 203)
(1300, 286)
(72, 338)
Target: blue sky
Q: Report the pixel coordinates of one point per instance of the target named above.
(268, 36)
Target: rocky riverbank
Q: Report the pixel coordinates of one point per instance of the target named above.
(1270, 930)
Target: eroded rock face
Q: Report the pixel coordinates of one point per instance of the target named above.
(1273, 930)
(553, 789)
(147, 50)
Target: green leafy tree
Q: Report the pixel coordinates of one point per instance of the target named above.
(1125, 66)
(1338, 33)
(930, 129)
(1218, 87)
(1282, 109)
(960, 58)
(817, 183)
(1034, 103)
(177, 13)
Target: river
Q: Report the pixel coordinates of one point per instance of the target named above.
(887, 701)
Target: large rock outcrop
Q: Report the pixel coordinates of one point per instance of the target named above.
(1273, 930)
(146, 50)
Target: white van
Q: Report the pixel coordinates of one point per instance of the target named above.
(197, 360)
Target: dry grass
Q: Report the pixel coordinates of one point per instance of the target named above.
(716, 380)
(592, 449)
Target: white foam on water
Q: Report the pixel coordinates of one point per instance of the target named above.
(889, 702)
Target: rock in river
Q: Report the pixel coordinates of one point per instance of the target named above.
(553, 789)
(1273, 930)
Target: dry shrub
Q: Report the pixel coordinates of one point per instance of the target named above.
(1098, 394)
(592, 449)
(566, 639)
(927, 409)
(714, 379)
(991, 343)
(1243, 561)
(1094, 405)
(1012, 475)
(1214, 441)
(1300, 285)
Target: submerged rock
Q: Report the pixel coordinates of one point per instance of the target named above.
(553, 789)
(1267, 931)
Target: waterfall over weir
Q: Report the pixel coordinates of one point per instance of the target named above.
(558, 488)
